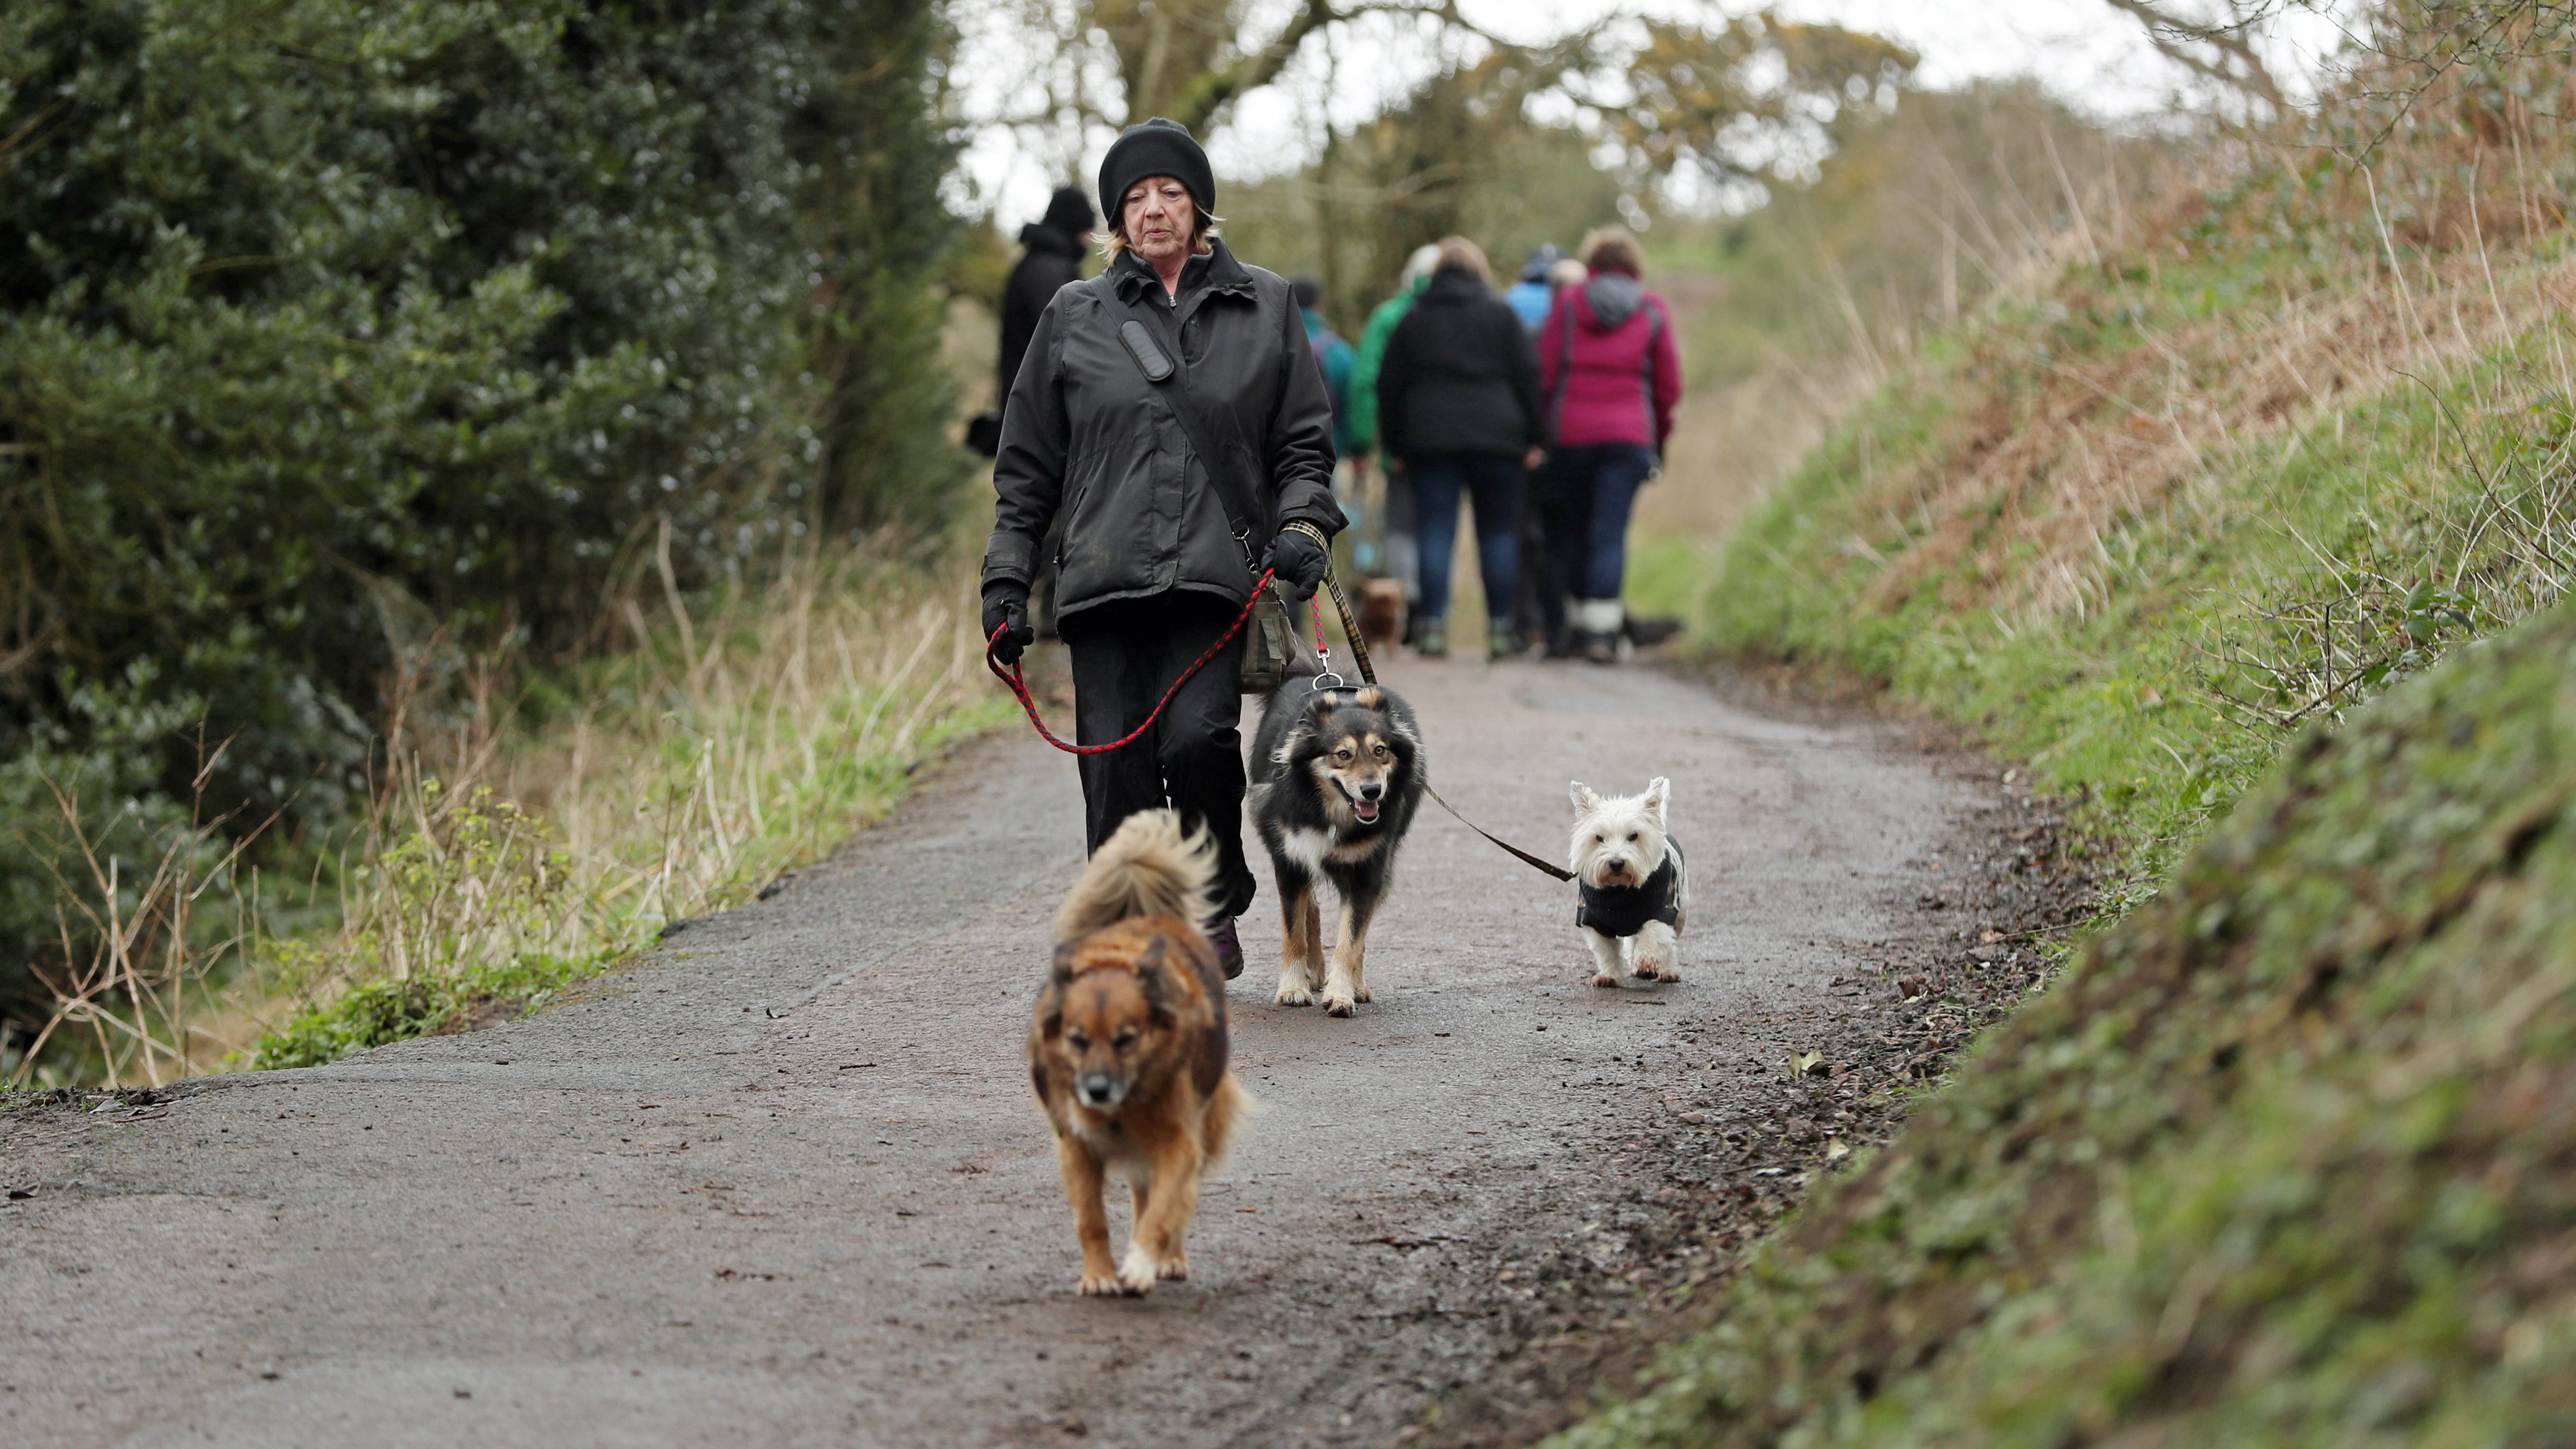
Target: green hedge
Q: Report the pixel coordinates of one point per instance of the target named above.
(330, 328)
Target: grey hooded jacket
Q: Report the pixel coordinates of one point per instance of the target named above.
(1085, 435)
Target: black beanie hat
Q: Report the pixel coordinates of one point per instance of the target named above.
(1156, 148)
(1070, 210)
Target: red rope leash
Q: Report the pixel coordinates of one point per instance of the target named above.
(1013, 678)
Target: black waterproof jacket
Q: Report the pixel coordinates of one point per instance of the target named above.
(1087, 436)
(1053, 258)
(1460, 375)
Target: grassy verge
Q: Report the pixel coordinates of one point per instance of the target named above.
(2137, 529)
(663, 783)
(537, 828)
(2284, 1159)
(2250, 532)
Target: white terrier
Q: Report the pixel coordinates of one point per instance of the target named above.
(1634, 885)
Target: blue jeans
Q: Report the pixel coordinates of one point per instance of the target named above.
(1494, 480)
(1590, 491)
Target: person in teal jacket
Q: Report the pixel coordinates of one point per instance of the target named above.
(1334, 355)
(1403, 554)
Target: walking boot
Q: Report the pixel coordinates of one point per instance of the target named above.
(1229, 946)
(1596, 624)
(1432, 640)
(1503, 641)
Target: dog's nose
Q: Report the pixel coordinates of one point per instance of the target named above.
(1372, 790)
(1096, 1089)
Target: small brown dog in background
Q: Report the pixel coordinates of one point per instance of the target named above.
(1382, 612)
(1128, 1052)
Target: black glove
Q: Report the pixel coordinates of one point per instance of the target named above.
(1006, 607)
(1300, 560)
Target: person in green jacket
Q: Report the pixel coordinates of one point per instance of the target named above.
(1381, 326)
(1395, 514)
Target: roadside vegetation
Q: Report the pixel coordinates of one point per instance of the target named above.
(474, 486)
(2247, 526)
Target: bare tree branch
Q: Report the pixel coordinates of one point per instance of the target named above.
(1212, 91)
(2189, 43)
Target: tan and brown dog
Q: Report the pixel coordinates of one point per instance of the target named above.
(1128, 1052)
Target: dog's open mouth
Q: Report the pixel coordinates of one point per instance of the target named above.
(1366, 810)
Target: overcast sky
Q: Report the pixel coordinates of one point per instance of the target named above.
(2083, 49)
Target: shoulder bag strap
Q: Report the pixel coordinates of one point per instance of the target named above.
(1564, 375)
(1646, 368)
(1163, 371)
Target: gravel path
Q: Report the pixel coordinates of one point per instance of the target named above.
(780, 1182)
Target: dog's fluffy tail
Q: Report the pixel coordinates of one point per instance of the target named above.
(1151, 867)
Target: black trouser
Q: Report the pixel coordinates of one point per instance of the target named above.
(1125, 654)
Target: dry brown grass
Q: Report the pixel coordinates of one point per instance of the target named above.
(2015, 512)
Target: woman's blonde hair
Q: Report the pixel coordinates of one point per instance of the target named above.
(1457, 251)
(1614, 247)
(1203, 225)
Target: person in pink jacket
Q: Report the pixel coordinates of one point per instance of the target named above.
(1612, 376)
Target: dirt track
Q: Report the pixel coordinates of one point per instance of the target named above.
(781, 1183)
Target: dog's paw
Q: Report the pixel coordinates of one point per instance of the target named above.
(1136, 1274)
(1102, 1285)
(1175, 1271)
(1291, 994)
(1362, 993)
(1604, 978)
(1645, 971)
(1338, 1005)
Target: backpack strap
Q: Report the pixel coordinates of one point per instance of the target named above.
(1171, 383)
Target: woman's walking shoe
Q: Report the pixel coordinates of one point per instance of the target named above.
(1229, 946)
(1594, 625)
(1502, 641)
(1433, 640)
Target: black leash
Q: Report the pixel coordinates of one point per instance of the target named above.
(1560, 872)
(1368, 672)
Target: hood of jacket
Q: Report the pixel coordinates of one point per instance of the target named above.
(1213, 270)
(1613, 297)
(1037, 236)
(1455, 284)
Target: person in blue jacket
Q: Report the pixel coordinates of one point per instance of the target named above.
(1533, 294)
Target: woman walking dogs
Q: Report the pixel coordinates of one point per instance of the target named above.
(1171, 412)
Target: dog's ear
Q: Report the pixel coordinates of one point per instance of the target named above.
(1062, 974)
(1658, 791)
(1585, 802)
(1149, 979)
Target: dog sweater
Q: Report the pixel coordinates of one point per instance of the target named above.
(1625, 910)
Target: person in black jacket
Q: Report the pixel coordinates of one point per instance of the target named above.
(1150, 572)
(1051, 256)
(1459, 402)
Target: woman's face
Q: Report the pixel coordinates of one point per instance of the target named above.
(1159, 218)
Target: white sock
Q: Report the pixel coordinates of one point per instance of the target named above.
(1598, 616)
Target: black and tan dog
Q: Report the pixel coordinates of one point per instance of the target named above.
(1128, 1052)
(1340, 773)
